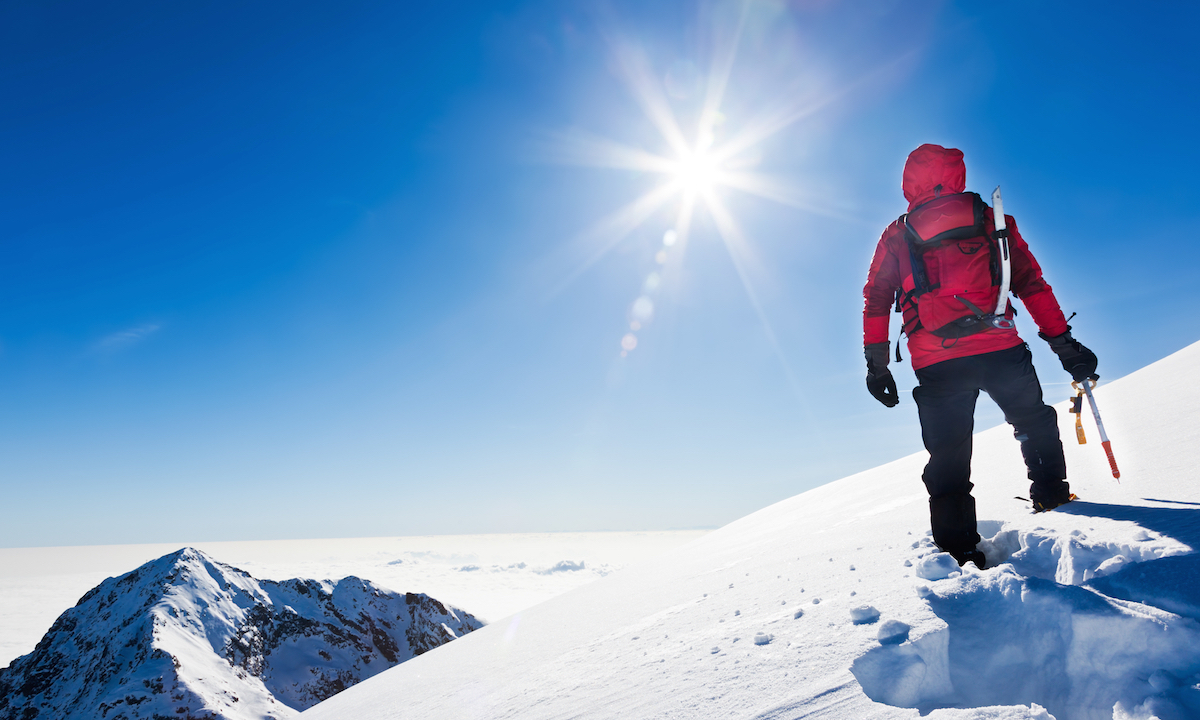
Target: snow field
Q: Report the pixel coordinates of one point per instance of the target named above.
(1085, 612)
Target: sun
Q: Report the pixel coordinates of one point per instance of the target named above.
(697, 171)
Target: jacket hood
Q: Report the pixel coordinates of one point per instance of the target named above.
(931, 171)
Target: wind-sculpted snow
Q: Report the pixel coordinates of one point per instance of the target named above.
(1092, 652)
(184, 636)
(835, 604)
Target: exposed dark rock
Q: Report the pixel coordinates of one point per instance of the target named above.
(187, 638)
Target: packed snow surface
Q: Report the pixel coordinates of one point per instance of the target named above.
(836, 604)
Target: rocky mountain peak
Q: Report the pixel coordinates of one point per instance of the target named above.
(185, 636)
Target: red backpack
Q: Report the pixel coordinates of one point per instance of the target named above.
(952, 284)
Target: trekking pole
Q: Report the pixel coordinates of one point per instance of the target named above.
(1112, 461)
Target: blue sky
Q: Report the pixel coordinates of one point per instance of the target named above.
(329, 270)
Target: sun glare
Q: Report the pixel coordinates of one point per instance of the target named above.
(697, 172)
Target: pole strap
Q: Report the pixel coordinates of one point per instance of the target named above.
(1077, 410)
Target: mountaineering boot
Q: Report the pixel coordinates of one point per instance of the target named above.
(1049, 494)
(1043, 505)
(973, 556)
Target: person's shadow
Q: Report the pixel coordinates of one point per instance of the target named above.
(1171, 583)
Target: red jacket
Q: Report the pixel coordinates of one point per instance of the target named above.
(933, 170)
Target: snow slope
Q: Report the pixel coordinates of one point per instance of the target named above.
(186, 636)
(835, 604)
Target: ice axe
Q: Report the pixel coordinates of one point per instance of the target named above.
(1112, 461)
(1000, 318)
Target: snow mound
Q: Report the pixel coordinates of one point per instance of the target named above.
(1092, 652)
(1108, 614)
(1076, 557)
(937, 567)
(864, 615)
(893, 632)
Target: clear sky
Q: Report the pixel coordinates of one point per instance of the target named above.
(283, 270)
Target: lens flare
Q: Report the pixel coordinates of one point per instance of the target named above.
(700, 163)
(643, 309)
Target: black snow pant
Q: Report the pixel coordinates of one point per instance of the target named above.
(946, 404)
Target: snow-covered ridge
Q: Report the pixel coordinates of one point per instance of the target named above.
(834, 604)
(186, 636)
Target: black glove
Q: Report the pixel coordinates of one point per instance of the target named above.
(880, 382)
(1075, 358)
